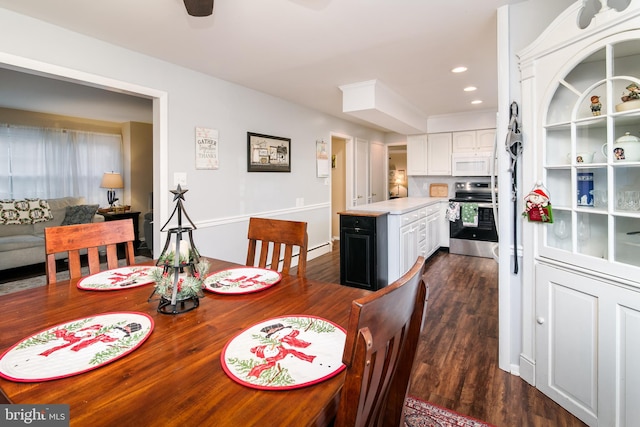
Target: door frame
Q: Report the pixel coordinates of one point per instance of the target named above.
(160, 117)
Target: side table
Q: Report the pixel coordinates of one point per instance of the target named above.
(135, 216)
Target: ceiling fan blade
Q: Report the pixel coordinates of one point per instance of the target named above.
(199, 7)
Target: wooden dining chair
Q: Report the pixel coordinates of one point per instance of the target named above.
(270, 235)
(382, 337)
(74, 238)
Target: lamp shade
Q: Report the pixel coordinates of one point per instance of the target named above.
(112, 180)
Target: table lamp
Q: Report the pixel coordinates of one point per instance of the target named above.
(111, 180)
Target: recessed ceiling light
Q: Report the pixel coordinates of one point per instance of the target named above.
(459, 70)
(477, 101)
(470, 88)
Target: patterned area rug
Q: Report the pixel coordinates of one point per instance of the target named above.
(34, 282)
(419, 413)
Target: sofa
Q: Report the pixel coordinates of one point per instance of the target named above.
(23, 244)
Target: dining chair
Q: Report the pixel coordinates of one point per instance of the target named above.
(74, 238)
(270, 235)
(382, 337)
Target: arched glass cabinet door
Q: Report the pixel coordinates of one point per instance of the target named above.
(595, 194)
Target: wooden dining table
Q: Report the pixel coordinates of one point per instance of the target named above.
(175, 378)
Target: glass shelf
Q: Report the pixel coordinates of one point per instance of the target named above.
(595, 198)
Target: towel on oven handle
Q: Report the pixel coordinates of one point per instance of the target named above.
(469, 214)
(453, 211)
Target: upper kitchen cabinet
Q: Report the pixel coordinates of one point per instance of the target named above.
(473, 141)
(417, 154)
(439, 154)
(429, 154)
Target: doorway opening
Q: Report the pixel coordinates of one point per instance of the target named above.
(397, 164)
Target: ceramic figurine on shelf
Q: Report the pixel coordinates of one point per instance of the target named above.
(634, 93)
(596, 105)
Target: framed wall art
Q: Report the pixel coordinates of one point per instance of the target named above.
(322, 160)
(206, 148)
(267, 153)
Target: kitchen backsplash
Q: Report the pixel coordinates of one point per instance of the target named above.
(419, 185)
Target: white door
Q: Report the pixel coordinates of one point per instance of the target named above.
(361, 173)
(377, 172)
(567, 341)
(409, 235)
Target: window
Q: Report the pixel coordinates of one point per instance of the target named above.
(52, 163)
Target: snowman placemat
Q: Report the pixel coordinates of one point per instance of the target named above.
(284, 353)
(75, 347)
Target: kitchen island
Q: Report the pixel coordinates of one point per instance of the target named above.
(415, 226)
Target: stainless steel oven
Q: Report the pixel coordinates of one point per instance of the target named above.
(479, 236)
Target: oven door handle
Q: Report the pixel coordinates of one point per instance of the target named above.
(485, 205)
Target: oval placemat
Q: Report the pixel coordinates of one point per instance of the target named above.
(118, 278)
(75, 347)
(285, 353)
(241, 280)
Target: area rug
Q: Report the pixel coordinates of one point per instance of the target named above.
(34, 282)
(419, 413)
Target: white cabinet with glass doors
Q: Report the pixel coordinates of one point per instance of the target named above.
(586, 281)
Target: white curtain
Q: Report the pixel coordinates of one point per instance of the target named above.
(52, 163)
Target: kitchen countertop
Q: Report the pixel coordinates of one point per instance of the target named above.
(401, 205)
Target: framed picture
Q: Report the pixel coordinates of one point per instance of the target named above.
(268, 153)
(206, 148)
(322, 160)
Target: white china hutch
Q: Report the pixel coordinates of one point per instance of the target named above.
(581, 280)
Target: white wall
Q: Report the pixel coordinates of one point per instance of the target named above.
(218, 201)
(525, 21)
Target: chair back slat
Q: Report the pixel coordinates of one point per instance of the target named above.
(382, 337)
(273, 235)
(72, 239)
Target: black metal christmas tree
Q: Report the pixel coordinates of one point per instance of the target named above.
(179, 284)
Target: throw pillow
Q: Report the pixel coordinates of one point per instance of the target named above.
(27, 211)
(79, 214)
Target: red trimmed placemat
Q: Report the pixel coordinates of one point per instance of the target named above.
(285, 353)
(75, 347)
(241, 280)
(118, 278)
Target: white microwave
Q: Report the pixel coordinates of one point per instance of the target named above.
(478, 163)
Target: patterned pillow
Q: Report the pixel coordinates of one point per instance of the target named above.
(79, 214)
(27, 211)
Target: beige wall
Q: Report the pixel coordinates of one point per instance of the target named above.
(138, 149)
(30, 118)
(139, 138)
(338, 184)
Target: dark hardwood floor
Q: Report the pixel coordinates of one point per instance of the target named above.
(457, 359)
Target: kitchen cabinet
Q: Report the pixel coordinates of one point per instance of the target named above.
(429, 154)
(473, 141)
(587, 341)
(443, 228)
(363, 249)
(586, 279)
(439, 154)
(411, 234)
(417, 154)
(432, 238)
